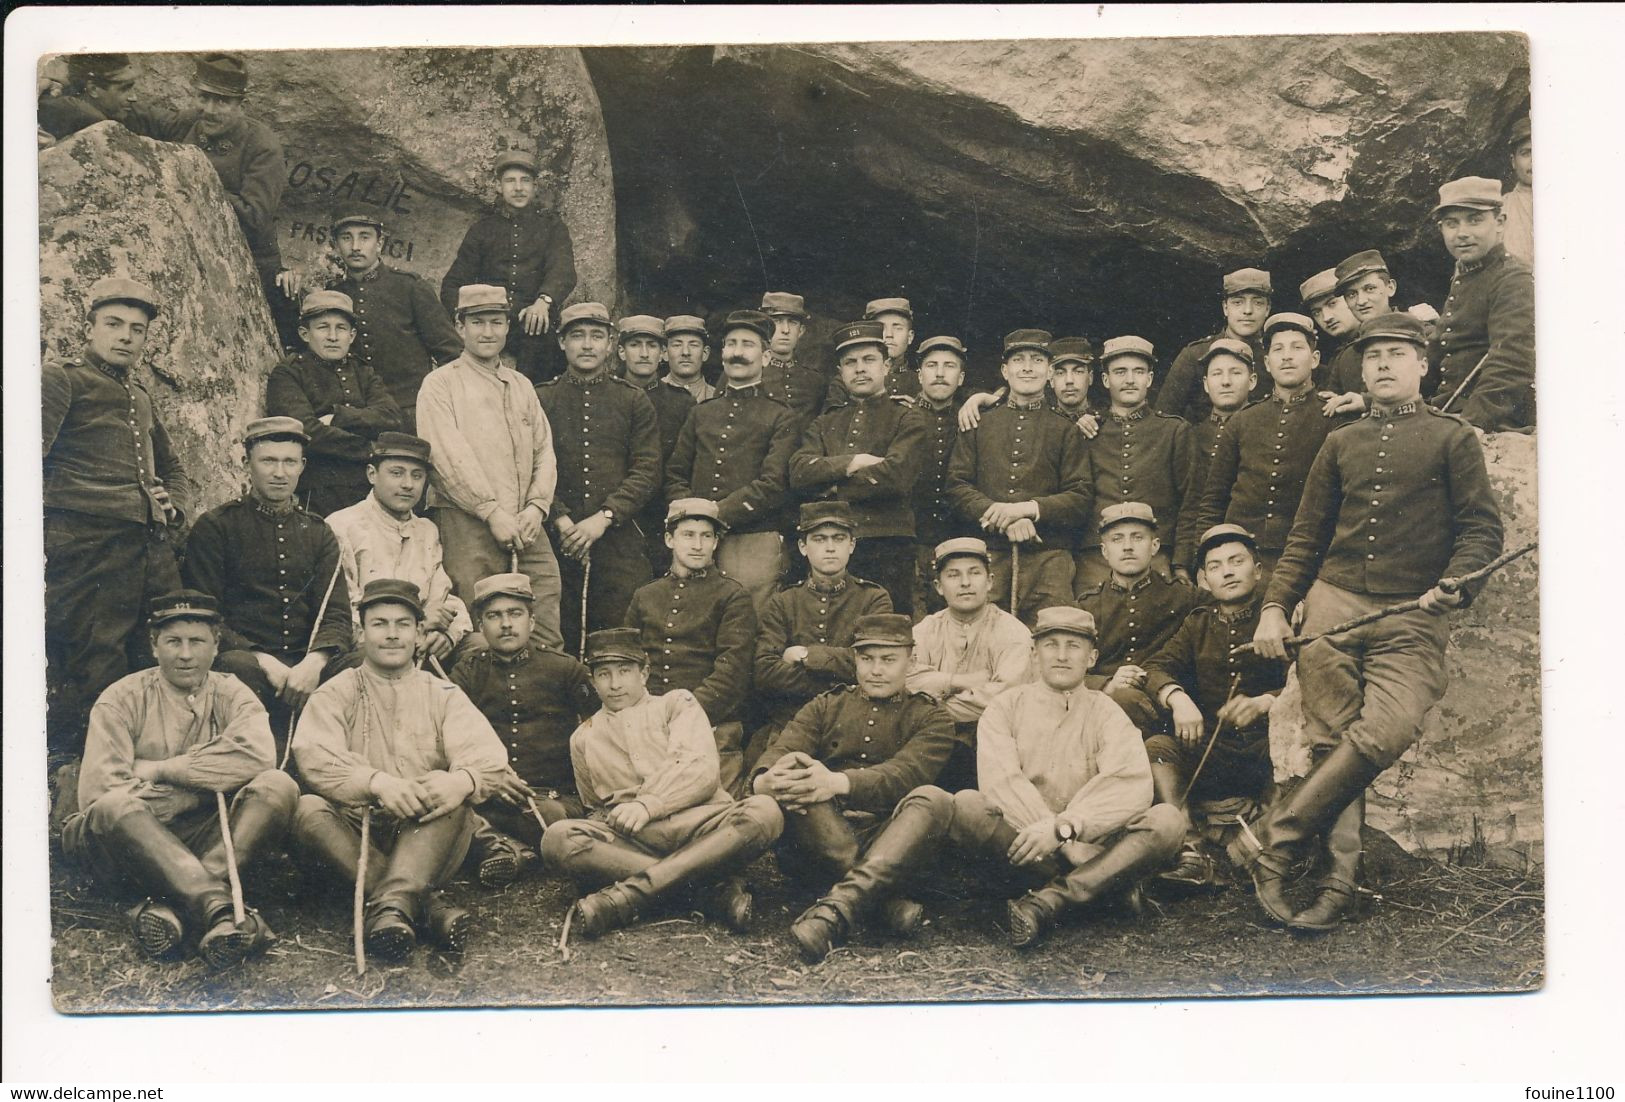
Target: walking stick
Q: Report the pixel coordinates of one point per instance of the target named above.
(1015, 577)
(360, 905)
(237, 913)
(541, 822)
(586, 587)
(439, 670)
(1235, 683)
(1449, 585)
(315, 628)
(513, 561)
(1465, 383)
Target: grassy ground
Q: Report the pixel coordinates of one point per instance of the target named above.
(1432, 928)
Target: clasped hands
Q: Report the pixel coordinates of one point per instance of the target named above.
(1012, 519)
(797, 781)
(425, 798)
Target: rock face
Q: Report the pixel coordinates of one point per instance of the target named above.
(1096, 187)
(410, 135)
(114, 203)
(1474, 777)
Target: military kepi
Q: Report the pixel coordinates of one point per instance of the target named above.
(961, 545)
(1361, 263)
(754, 320)
(692, 508)
(1318, 286)
(879, 306)
(639, 325)
(686, 323)
(1113, 515)
(859, 332)
(486, 298)
(815, 514)
(1064, 618)
(503, 585)
(117, 289)
(1036, 339)
(221, 75)
(883, 629)
(1220, 346)
(394, 590)
(1397, 326)
(1247, 279)
(275, 428)
(581, 313)
(952, 344)
(1472, 192)
(324, 302)
(183, 604)
(784, 304)
(1071, 349)
(400, 445)
(1127, 346)
(616, 645)
(1289, 320)
(1224, 533)
(355, 218)
(515, 157)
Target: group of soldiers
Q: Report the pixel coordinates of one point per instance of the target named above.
(461, 616)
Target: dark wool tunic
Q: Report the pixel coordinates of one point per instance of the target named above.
(527, 251)
(821, 617)
(1489, 316)
(734, 449)
(1143, 456)
(269, 571)
(309, 388)
(534, 700)
(1181, 393)
(879, 495)
(887, 748)
(934, 516)
(801, 388)
(1023, 455)
(401, 331)
(700, 634)
(1134, 623)
(607, 443)
(1394, 502)
(1204, 442)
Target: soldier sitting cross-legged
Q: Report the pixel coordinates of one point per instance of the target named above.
(647, 768)
(161, 743)
(389, 738)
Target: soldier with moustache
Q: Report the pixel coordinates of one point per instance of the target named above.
(641, 344)
(687, 346)
(896, 319)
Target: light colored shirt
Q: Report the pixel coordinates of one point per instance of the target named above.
(215, 739)
(1519, 207)
(373, 544)
(994, 645)
(360, 723)
(1075, 756)
(660, 752)
(699, 387)
(492, 444)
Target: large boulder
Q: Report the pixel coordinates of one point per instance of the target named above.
(1097, 186)
(113, 203)
(1473, 780)
(410, 135)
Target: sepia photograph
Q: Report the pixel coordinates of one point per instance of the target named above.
(826, 522)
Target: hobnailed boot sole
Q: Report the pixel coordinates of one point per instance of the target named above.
(816, 933)
(225, 945)
(391, 942)
(1269, 890)
(1027, 926)
(499, 870)
(158, 930)
(450, 927)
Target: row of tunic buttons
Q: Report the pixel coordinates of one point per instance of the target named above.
(1375, 502)
(1015, 455)
(675, 597)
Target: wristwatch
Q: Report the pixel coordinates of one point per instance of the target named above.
(1064, 830)
(608, 514)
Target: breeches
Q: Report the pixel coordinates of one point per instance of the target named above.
(619, 566)
(1046, 580)
(470, 553)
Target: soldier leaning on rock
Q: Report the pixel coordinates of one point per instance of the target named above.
(115, 498)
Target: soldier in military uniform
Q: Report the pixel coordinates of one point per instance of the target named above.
(842, 765)
(941, 371)
(1336, 323)
(868, 453)
(1518, 201)
(786, 378)
(533, 700)
(1245, 301)
(1217, 695)
(381, 536)
(896, 318)
(1022, 475)
(246, 154)
(734, 450)
(494, 469)
(661, 823)
(1264, 453)
(525, 248)
(804, 644)
(161, 743)
(413, 748)
(1139, 454)
(1367, 289)
(1483, 351)
(1135, 610)
(970, 652)
(1395, 503)
(1228, 381)
(1063, 806)
(686, 350)
(607, 448)
(115, 496)
(698, 628)
(341, 401)
(1072, 373)
(271, 566)
(402, 330)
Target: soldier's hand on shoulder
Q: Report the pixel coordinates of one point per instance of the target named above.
(1089, 424)
(970, 413)
(1183, 575)
(1337, 404)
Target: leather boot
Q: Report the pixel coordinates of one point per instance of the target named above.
(388, 932)
(449, 926)
(819, 929)
(500, 857)
(1166, 782)
(258, 824)
(1338, 884)
(1291, 823)
(157, 928)
(731, 904)
(160, 863)
(1035, 914)
(421, 859)
(907, 841)
(335, 846)
(730, 846)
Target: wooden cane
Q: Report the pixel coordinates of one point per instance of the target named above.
(439, 670)
(1465, 383)
(237, 913)
(586, 586)
(541, 822)
(513, 561)
(360, 906)
(315, 628)
(1213, 739)
(1449, 585)
(1015, 577)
